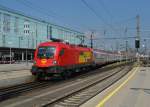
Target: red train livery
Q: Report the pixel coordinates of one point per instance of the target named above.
(54, 59)
(60, 59)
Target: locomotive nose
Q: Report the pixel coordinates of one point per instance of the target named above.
(46, 62)
(43, 61)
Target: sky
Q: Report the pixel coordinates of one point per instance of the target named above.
(106, 18)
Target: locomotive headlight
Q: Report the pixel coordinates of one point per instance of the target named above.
(54, 62)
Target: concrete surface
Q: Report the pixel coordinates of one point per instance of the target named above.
(14, 67)
(12, 78)
(135, 93)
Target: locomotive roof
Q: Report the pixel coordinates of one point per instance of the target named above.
(49, 43)
(63, 44)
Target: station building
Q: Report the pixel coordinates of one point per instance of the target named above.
(20, 34)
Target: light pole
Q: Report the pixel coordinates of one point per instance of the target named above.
(26, 56)
(145, 47)
(20, 38)
(119, 56)
(27, 50)
(10, 52)
(10, 55)
(126, 51)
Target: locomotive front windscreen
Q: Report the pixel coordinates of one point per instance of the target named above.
(46, 52)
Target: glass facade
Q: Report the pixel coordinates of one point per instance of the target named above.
(22, 33)
(19, 29)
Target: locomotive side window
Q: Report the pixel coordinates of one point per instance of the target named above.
(62, 52)
(46, 52)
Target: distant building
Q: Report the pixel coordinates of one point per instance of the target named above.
(23, 33)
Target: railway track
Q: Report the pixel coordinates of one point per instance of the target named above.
(14, 91)
(18, 90)
(83, 94)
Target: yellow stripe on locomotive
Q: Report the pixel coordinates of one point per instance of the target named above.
(85, 57)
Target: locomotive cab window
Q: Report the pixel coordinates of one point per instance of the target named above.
(46, 52)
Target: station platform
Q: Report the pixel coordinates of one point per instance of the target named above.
(14, 67)
(133, 90)
(14, 74)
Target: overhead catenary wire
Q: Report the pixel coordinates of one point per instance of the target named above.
(97, 15)
(102, 19)
(47, 13)
(111, 38)
(125, 20)
(101, 2)
(31, 7)
(105, 8)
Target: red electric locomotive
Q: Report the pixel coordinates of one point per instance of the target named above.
(60, 59)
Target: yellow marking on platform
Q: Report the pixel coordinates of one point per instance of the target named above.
(101, 103)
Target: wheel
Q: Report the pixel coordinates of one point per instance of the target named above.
(66, 74)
